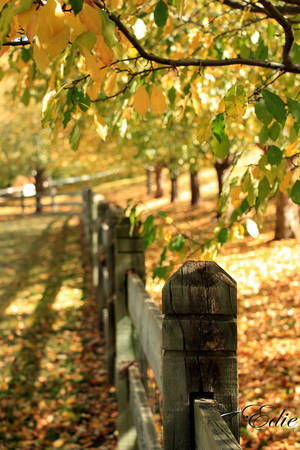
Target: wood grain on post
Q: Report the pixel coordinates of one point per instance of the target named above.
(129, 255)
(211, 431)
(87, 198)
(199, 348)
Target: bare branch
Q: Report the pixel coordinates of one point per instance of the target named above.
(16, 43)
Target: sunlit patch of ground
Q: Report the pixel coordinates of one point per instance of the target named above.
(268, 278)
(53, 391)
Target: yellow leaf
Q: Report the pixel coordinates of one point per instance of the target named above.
(181, 113)
(58, 443)
(56, 45)
(2, 3)
(101, 126)
(91, 18)
(93, 90)
(103, 51)
(141, 100)
(115, 4)
(29, 21)
(235, 195)
(92, 66)
(158, 101)
(132, 52)
(285, 182)
(40, 56)
(110, 86)
(76, 26)
(237, 231)
(291, 149)
(256, 172)
(196, 99)
(180, 7)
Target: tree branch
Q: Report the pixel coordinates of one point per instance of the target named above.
(274, 13)
(288, 10)
(16, 43)
(172, 63)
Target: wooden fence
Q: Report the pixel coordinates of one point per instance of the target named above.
(190, 345)
(47, 203)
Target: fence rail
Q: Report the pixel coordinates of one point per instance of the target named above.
(32, 204)
(190, 345)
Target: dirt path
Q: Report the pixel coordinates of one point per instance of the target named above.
(53, 391)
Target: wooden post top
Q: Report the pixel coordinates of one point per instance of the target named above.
(200, 288)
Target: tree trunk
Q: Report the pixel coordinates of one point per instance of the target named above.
(39, 187)
(158, 180)
(174, 189)
(195, 189)
(287, 218)
(221, 169)
(149, 180)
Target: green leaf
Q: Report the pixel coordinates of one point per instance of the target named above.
(84, 102)
(295, 53)
(263, 134)
(74, 137)
(187, 88)
(294, 109)
(162, 214)
(87, 40)
(218, 127)
(295, 192)
(262, 113)
(274, 131)
(274, 155)
(108, 29)
(221, 149)
(25, 5)
(25, 54)
(172, 95)
(275, 105)
(244, 206)
(67, 117)
(149, 231)
(263, 189)
(177, 243)
(161, 272)
(76, 6)
(26, 97)
(161, 13)
(262, 50)
(223, 236)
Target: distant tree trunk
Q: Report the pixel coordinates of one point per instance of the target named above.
(39, 179)
(287, 218)
(174, 188)
(149, 180)
(221, 169)
(195, 189)
(158, 180)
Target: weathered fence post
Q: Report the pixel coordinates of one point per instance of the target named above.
(106, 290)
(52, 193)
(22, 203)
(199, 348)
(38, 203)
(129, 255)
(87, 198)
(96, 218)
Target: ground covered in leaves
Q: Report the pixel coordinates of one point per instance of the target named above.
(53, 391)
(268, 279)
